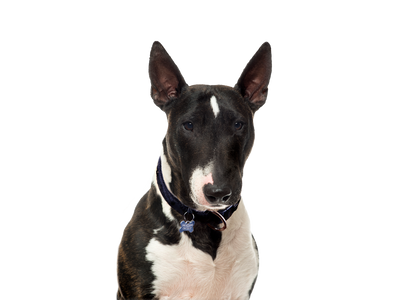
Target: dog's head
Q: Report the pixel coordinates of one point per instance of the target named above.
(210, 129)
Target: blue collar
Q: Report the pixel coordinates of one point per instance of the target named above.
(182, 209)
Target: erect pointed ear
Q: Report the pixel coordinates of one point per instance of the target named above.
(253, 83)
(166, 79)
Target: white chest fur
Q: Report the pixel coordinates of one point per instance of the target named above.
(184, 272)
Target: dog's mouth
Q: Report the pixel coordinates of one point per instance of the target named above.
(206, 206)
(212, 207)
(218, 206)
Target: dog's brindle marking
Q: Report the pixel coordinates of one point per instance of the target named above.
(210, 135)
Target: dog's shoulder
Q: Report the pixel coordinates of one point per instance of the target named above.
(132, 268)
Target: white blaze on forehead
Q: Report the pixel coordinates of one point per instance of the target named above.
(214, 105)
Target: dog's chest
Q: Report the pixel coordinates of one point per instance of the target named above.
(185, 272)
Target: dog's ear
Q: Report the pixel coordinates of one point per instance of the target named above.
(166, 79)
(253, 83)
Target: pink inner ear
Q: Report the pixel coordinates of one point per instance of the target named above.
(171, 92)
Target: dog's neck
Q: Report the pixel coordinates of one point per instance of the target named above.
(182, 209)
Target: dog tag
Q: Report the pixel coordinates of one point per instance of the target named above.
(187, 226)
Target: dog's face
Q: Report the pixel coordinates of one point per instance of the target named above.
(209, 137)
(210, 129)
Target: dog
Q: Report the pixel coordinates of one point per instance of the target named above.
(189, 237)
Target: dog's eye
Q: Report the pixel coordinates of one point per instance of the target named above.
(188, 126)
(238, 125)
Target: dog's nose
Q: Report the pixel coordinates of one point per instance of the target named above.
(215, 194)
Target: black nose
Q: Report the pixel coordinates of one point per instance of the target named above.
(215, 194)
